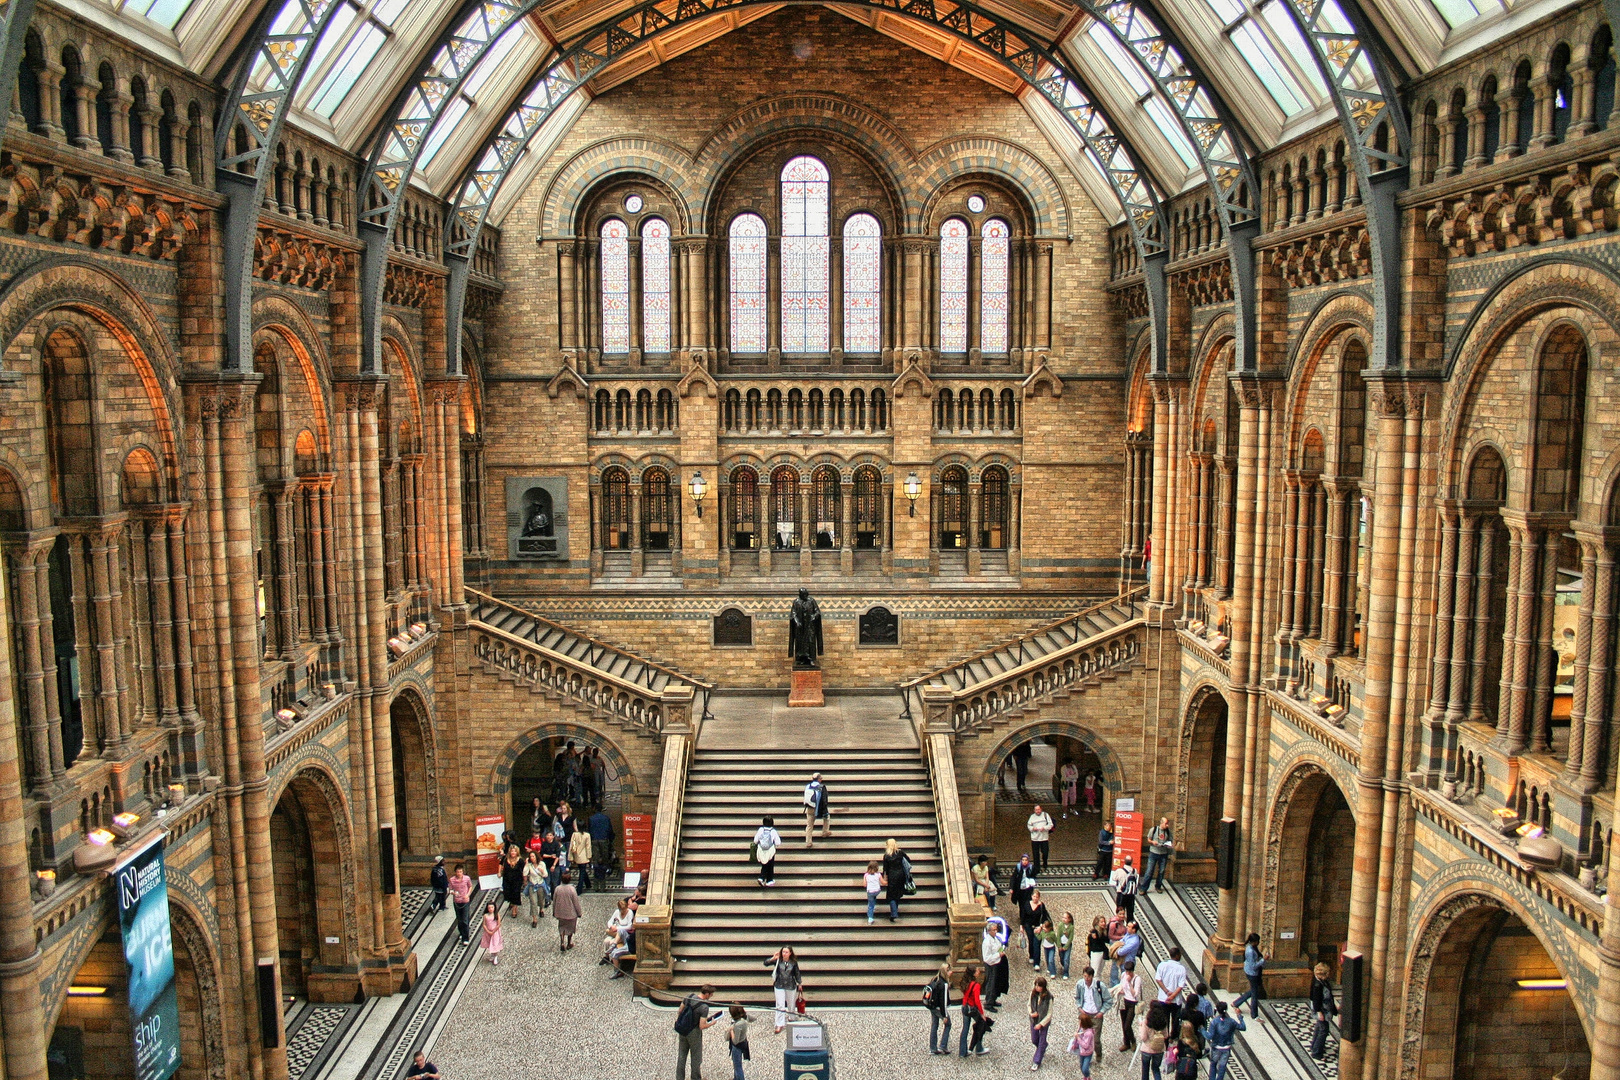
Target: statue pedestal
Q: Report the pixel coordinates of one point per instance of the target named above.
(806, 693)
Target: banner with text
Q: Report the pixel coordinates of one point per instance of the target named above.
(1127, 837)
(490, 828)
(154, 1005)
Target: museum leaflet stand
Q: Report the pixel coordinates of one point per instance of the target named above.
(806, 693)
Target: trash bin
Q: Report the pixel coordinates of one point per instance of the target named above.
(806, 1065)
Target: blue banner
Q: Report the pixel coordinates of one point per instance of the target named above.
(154, 1006)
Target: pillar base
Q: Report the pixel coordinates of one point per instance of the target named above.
(806, 693)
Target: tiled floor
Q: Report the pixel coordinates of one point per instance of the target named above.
(311, 1031)
(1295, 1017)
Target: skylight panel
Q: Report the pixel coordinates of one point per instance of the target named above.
(1457, 12)
(1170, 128)
(443, 129)
(480, 74)
(360, 51)
(1122, 60)
(1267, 66)
(163, 12)
(336, 31)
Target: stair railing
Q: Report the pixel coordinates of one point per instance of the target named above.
(1089, 652)
(655, 965)
(966, 914)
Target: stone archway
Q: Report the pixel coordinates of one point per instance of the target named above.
(1201, 784)
(1074, 840)
(523, 772)
(1305, 909)
(202, 1033)
(1484, 996)
(313, 868)
(416, 787)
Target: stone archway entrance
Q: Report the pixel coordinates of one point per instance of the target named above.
(1049, 746)
(1203, 786)
(537, 766)
(415, 824)
(1310, 918)
(309, 847)
(1492, 999)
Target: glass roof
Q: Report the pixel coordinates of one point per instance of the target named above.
(1250, 51)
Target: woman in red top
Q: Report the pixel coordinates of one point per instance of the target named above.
(973, 1015)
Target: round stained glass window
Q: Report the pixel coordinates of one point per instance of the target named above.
(975, 204)
(633, 203)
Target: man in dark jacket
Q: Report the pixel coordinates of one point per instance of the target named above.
(1105, 852)
(440, 880)
(600, 826)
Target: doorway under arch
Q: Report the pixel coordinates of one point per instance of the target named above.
(1203, 786)
(415, 830)
(1312, 914)
(310, 860)
(541, 770)
(1492, 998)
(1049, 747)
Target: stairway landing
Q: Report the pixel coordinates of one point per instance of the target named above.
(761, 721)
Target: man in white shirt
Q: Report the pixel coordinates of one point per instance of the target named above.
(1124, 883)
(1040, 837)
(1171, 976)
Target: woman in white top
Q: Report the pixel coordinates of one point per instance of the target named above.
(766, 841)
(621, 919)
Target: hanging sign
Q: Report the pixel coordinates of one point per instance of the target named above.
(143, 918)
(490, 829)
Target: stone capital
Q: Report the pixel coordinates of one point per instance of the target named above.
(222, 395)
(360, 393)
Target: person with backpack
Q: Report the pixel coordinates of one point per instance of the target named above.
(937, 1000)
(816, 808)
(1222, 1032)
(1125, 884)
(690, 1022)
(440, 880)
(1188, 1048)
(786, 980)
(1254, 969)
(974, 1021)
(766, 841)
(1161, 843)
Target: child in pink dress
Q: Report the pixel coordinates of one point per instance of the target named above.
(492, 934)
(1084, 1044)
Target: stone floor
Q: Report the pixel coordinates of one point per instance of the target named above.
(742, 720)
(544, 1014)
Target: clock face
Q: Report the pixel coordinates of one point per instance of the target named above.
(976, 204)
(633, 203)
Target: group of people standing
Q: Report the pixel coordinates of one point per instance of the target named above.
(579, 776)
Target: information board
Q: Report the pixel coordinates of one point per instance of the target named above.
(1128, 837)
(638, 829)
(490, 828)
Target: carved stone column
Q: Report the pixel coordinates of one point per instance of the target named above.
(31, 616)
(846, 550)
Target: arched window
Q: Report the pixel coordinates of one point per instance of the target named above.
(994, 257)
(666, 419)
(804, 256)
(863, 280)
(755, 416)
(744, 508)
(655, 286)
(953, 286)
(616, 509)
(785, 508)
(748, 290)
(623, 417)
(604, 410)
(657, 510)
(733, 410)
(868, 508)
(826, 507)
(1009, 411)
(993, 501)
(953, 506)
(880, 411)
(1601, 60)
(1563, 91)
(1493, 118)
(615, 286)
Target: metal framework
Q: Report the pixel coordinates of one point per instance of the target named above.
(285, 56)
(1214, 135)
(14, 18)
(1340, 36)
(1032, 60)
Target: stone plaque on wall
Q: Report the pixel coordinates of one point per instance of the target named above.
(733, 626)
(880, 626)
(537, 517)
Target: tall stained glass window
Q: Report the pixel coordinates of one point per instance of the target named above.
(804, 256)
(615, 286)
(655, 286)
(748, 290)
(953, 286)
(863, 260)
(993, 286)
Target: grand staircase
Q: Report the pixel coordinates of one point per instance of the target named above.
(725, 924)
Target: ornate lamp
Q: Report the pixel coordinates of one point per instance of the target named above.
(699, 489)
(913, 489)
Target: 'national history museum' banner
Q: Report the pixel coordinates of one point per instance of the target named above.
(154, 1007)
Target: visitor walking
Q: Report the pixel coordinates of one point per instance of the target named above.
(786, 980)
(816, 808)
(1065, 940)
(598, 768)
(440, 881)
(937, 1000)
(492, 943)
(993, 951)
(1171, 976)
(1097, 944)
(1125, 883)
(461, 887)
(737, 1041)
(1023, 882)
(534, 888)
(1322, 1007)
(1040, 837)
(896, 873)
(600, 826)
(1049, 939)
(1154, 1034)
(1254, 969)
(1105, 852)
(1189, 1048)
(566, 909)
(1092, 792)
(512, 882)
(1069, 780)
(984, 883)
(974, 1020)
(551, 854)
(1160, 844)
(1116, 934)
(1222, 1032)
(766, 841)
(1040, 1019)
(873, 881)
(1034, 915)
(690, 1022)
(579, 857)
(1020, 756)
(1129, 995)
(1084, 1044)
